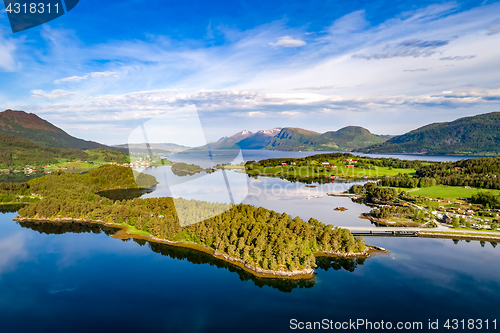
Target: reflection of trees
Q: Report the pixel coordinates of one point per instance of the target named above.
(200, 258)
(482, 243)
(197, 257)
(59, 228)
(124, 194)
(10, 208)
(349, 265)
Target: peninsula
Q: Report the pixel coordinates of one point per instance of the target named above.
(263, 242)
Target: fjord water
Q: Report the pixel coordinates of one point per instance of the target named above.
(61, 278)
(76, 278)
(219, 156)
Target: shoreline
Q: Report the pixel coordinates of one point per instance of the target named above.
(451, 235)
(122, 233)
(127, 188)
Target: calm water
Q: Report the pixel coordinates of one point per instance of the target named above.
(271, 193)
(60, 278)
(227, 155)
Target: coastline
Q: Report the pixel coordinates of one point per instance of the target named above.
(122, 233)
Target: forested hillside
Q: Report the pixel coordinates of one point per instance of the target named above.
(475, 172)
(16, 152)
(478, 135)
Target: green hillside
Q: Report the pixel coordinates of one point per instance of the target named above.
(16, 152)
(477, 135)
(257, 141)
(41, 132)
(345, 139)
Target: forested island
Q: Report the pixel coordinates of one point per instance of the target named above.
(261, 241)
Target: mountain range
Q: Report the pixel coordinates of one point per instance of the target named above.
(347, 138)
(476, 135)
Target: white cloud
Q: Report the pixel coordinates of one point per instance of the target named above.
(72, 79)
(103, 74)
(13, 251)
(458, 57)
(148, 104)
(86, 76)
(55, 94)
(7, 49)
(287, 41)
(493, 30)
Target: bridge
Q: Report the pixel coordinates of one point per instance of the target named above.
(412, 231)
(384, 231)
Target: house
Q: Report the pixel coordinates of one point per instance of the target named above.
(350, 166)
(446, 219)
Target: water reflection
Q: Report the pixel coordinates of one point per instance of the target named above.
(55, 228)
(349, 265)
(125, 194)
(197, 257)
(12, 250)
(4, 209)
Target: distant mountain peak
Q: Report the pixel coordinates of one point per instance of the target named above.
(272, 132)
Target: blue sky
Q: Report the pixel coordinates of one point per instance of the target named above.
(107, 66)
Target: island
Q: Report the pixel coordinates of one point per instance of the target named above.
(260, 241)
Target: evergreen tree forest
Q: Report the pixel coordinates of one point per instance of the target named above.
(475, 172)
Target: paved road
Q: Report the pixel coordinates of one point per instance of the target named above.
(440, 227)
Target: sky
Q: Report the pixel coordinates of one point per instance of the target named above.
(106, 67)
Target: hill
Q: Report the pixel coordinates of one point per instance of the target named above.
(477, 135)
(16, 152)
(40, 131)
(345, 139)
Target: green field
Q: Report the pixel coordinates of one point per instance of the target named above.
(446, 192)
(340, 171)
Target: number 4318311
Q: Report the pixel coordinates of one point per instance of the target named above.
(32, 8)
(470, 324)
